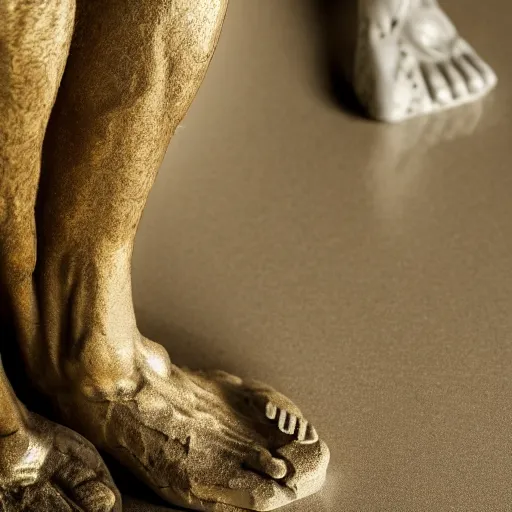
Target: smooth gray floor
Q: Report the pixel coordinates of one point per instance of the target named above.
(362, 269)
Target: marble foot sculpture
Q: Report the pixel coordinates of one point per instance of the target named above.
(411, 61)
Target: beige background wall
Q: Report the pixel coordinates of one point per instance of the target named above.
(362, 269)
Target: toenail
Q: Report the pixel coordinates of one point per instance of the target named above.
(443, 95)
(477, 84)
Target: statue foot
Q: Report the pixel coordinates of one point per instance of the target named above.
(204, 440)
(411, 61)
(201, 440)
(49, 468)
(279, 409)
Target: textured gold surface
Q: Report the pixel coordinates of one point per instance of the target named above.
(47, 467)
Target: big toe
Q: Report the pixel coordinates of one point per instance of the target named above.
(95, 496)
(308, 466)
(82, 474)
(306, 471)
(263, 462)
(250, 491)
(485, 78)
(93, 490)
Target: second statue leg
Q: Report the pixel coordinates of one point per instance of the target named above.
(206, 441)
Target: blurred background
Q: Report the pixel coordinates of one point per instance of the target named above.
(362, 269)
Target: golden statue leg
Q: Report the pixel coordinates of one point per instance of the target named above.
(203, 441)
(43, 467)
(11, 420)
(34, 42)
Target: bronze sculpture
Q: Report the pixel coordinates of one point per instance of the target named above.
(199, 440)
